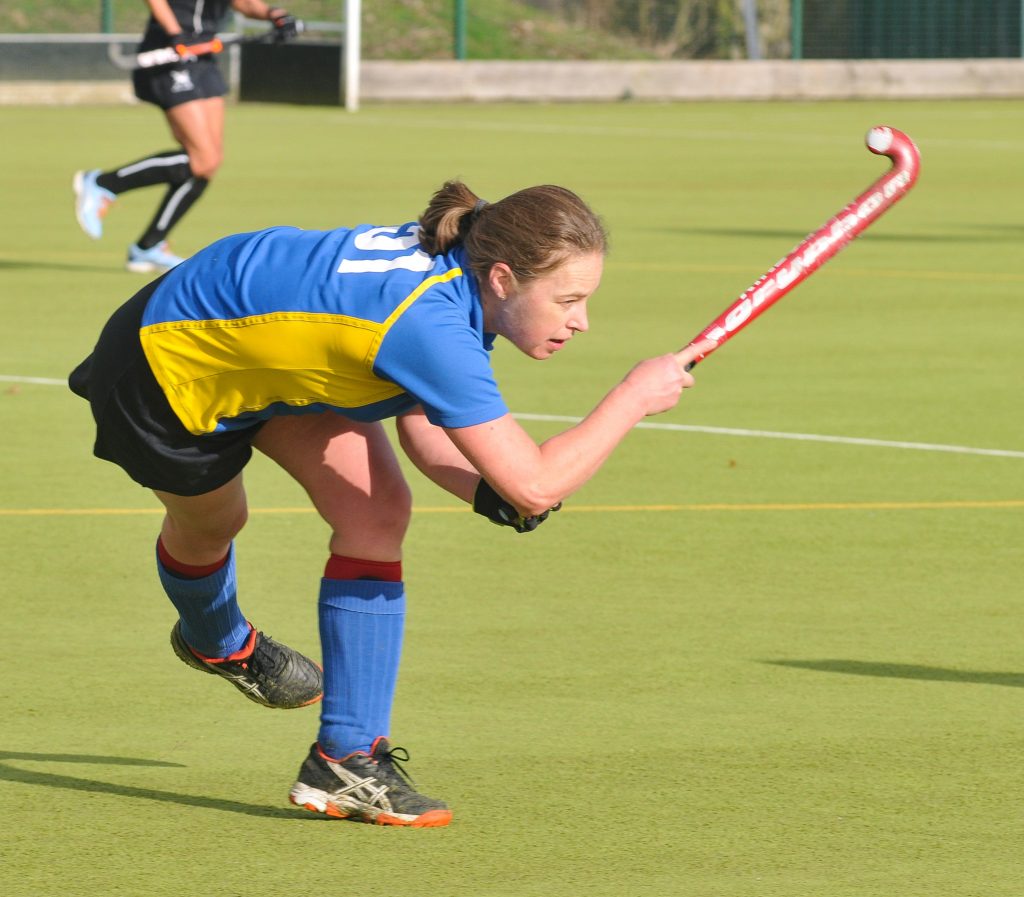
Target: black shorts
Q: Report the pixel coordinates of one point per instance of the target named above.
(167, 86)
(135, 426)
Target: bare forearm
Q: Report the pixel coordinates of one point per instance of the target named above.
(571, 458)
(459, 481)
(165, 18)
(534, 478)
(254, 9)
(436, 457)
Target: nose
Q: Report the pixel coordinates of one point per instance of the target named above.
(579, 322)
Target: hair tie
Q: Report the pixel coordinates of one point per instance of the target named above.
(477, 209)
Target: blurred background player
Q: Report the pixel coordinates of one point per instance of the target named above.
(191, 95)
(343, 329)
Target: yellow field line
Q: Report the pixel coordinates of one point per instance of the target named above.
(586, 509)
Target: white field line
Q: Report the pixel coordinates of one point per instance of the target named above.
(714, 431)
(803, 437)
(654, 133)
(42, 381)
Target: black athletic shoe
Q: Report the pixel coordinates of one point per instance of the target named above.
(263, 670)
(366, 788)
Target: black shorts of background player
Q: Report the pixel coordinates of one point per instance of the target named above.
(191, 95)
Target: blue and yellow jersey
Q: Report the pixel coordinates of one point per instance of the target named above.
(284, 321)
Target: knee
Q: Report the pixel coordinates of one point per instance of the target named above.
(234, 524)
(206, 531)
(388, 513)
(376, 528)
(204, 163)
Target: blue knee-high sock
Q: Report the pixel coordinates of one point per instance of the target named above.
(361, 624)
(211, 621)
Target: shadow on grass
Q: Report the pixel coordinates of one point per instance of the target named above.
(8, 264)
(903, 671)
(91, 786)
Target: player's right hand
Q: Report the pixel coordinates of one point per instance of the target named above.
(660, 381)
(185, 38)
(692, 354)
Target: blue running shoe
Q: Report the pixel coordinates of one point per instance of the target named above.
(91, 202)
(155, 259)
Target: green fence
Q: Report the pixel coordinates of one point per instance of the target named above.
(906, 29)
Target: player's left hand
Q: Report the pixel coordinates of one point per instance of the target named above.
(286, 26)
(488, 503)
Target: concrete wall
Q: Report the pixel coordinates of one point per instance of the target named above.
(65, 93)
(739, 80)
(489, 81)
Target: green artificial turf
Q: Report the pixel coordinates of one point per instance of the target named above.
(732, 666)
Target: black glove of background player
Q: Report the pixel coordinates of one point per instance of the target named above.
(188, 39)
(286, 26)
(488, 503)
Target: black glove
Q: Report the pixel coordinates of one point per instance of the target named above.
(286, 26)
(492, 506)
(187, 39)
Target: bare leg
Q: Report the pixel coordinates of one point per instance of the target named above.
(199, 128)
(198, 529)
(212, 633)
(352, 475)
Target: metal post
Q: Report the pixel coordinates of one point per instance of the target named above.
(107, 16)
(234, 55)
(460, 29)
(750, 21)
(796, 28)
(352, 53)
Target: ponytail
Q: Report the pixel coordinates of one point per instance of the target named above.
(532, 231)
(447, 218)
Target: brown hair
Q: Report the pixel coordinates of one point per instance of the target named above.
(532, 231)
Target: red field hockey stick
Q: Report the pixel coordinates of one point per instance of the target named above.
(821, 245)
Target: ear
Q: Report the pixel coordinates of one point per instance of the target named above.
(501, 280)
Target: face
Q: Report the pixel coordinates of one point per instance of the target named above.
(541, 316)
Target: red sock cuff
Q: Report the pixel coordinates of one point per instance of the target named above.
(187, 571)
(341, 567)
